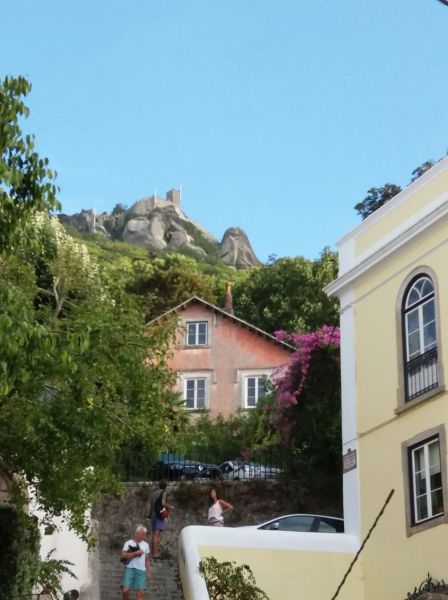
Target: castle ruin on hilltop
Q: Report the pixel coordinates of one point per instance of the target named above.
(89, 221)
(146, 205)
(159, 224)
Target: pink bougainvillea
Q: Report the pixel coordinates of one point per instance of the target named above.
(290, 380)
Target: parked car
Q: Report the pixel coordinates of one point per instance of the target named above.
(303, 522)
(194, 469)
(175, 466)
(237, 469)
(169, 466)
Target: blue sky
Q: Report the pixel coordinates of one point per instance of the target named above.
(273, 115)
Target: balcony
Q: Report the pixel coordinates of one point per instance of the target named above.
(421, 374)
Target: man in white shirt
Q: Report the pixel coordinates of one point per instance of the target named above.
(137, 571)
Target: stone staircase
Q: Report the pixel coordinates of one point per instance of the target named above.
(117, 516)
(165, 582)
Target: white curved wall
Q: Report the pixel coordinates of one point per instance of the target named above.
(286, 565)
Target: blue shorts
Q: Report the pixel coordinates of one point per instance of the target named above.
(135, 579)
(158, 523)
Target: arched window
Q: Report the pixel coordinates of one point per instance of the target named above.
(420, 337)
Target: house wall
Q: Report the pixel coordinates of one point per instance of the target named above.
(378, 326)
(66, 545)
(393, 561)
(234, 351)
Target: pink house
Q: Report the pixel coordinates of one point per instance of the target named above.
(221, 361)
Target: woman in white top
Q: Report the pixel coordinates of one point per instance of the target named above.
(216, 509)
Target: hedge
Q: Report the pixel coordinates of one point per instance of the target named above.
(19, 554)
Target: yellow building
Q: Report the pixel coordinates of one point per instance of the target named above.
(393, 288)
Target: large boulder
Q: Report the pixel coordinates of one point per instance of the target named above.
(144, 232)
(161, 229)
(177, 237)
(235, 249)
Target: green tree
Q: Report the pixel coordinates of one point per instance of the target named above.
(167, 281)
(375, 198)
(287, 294)
(25, 178)
(421, 170)
(214, 440)
(302, 414)
(159, 281)
(79, 374)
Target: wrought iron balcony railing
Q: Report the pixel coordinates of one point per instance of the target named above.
(421, 374)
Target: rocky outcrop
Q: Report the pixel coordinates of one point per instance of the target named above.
(148, 233)
(235, 249)
(87, 221)
(159, 224)
(160, 229)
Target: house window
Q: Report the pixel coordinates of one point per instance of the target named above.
(420, 338)
(255, 389)
(195, 393)
(197, 333)
(426, 481)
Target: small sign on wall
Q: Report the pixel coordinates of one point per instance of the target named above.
(349, 461)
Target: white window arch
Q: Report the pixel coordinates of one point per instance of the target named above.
(420, 337)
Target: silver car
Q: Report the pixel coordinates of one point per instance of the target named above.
(303, 522)
(239, 470)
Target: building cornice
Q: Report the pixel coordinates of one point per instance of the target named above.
(394, 202)
(349, 278)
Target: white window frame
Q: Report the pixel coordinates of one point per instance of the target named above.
(243, 378)
(417, 307)
(408, 448)
(417, 385)
(186, 376)
(420, 378)
(196, 324)
(196, 381)
(425, 473)
(258, 379)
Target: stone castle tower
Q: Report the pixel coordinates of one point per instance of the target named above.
(146, 205)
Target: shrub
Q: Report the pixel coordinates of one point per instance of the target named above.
(50, 573)
(228, 580)
(19, 556)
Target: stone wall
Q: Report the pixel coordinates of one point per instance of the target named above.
(116, 516)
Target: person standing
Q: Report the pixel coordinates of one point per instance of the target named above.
(216, 509)
(159, 498)
(137, 571)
